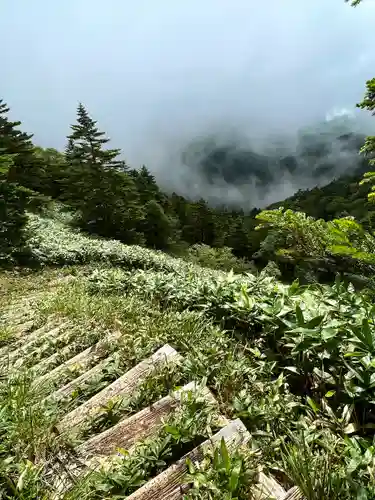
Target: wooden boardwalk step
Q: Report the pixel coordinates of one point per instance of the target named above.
(140, 426)
(16, 317)
(268, 488)
(44, 364)
(13, 309)
(168, 485)
(65, 391)
(35, 339)
(14, 312)
(294, 494)
(17, 336)
(84, 360)
(123, 387)
(9, 352)
(41, 355)
(21, 329)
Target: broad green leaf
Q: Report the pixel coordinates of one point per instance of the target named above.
(328, 333)
(315, 321)
(299, 315)
(234, 477)
(313, 405)
(329, 394)
(293, 369)
(225, 455)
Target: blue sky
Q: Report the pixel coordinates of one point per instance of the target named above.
(157, 73)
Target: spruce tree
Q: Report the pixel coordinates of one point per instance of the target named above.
(146, 184)
(27, 168)
(159, 228)
(86, 142)
(199, 223)
(98, 184)
(12, 140)
(15, 149)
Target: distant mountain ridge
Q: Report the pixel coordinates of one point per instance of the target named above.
(320, 154)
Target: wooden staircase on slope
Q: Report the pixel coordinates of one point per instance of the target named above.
(35, 347)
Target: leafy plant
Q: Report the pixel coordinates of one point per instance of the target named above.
(222, 475)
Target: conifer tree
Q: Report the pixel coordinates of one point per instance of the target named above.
(86, 143)
(12, 140)
(146, 185)
(98, 184)
(15, 148)
(27, 168)
(158, 228)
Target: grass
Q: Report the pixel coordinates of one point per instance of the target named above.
(294, 363)
(152, 388)
(222, 474)
(189, 426)
(144, 327)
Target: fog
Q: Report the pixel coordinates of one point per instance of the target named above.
(160, 75)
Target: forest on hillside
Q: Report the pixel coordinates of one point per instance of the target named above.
(109, 199)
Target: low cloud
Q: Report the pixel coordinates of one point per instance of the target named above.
(160, 75)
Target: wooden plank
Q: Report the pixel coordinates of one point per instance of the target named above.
(23, 334)
(43, 358)
(17, 338)
(268, 488)
(140, 426)
(21, 339)
(169, 484)
(13, 312)
(122, 387)
(22, 328)
(84, 360)
(17, 317)
(70, 387)
(13, 309)
(36, 339)
(294, 494)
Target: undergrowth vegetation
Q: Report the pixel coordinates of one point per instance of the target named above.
(295, 363)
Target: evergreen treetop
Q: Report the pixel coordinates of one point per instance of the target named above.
(86, 142)
(12, 140)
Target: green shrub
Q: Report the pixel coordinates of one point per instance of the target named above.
(218, 258)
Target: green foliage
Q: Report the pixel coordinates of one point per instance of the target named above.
(368, 149)
(97, 184)
(338, 245)
(52, 242)
(187, 427)
(291, 360)
(14, 146)
(85, 144)
(320, 472)
(27, 438)
(217, 258)
(12, 211)
(53, 172)
(321, 341)
(222, 475)
(157, 227)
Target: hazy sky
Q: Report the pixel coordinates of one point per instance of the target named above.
(156, 71)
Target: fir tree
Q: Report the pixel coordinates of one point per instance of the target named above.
(146, 184)
(15, 149)
(86, 142)
(12, 140)
(27, 168)
(98, 185)
(159, 228)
